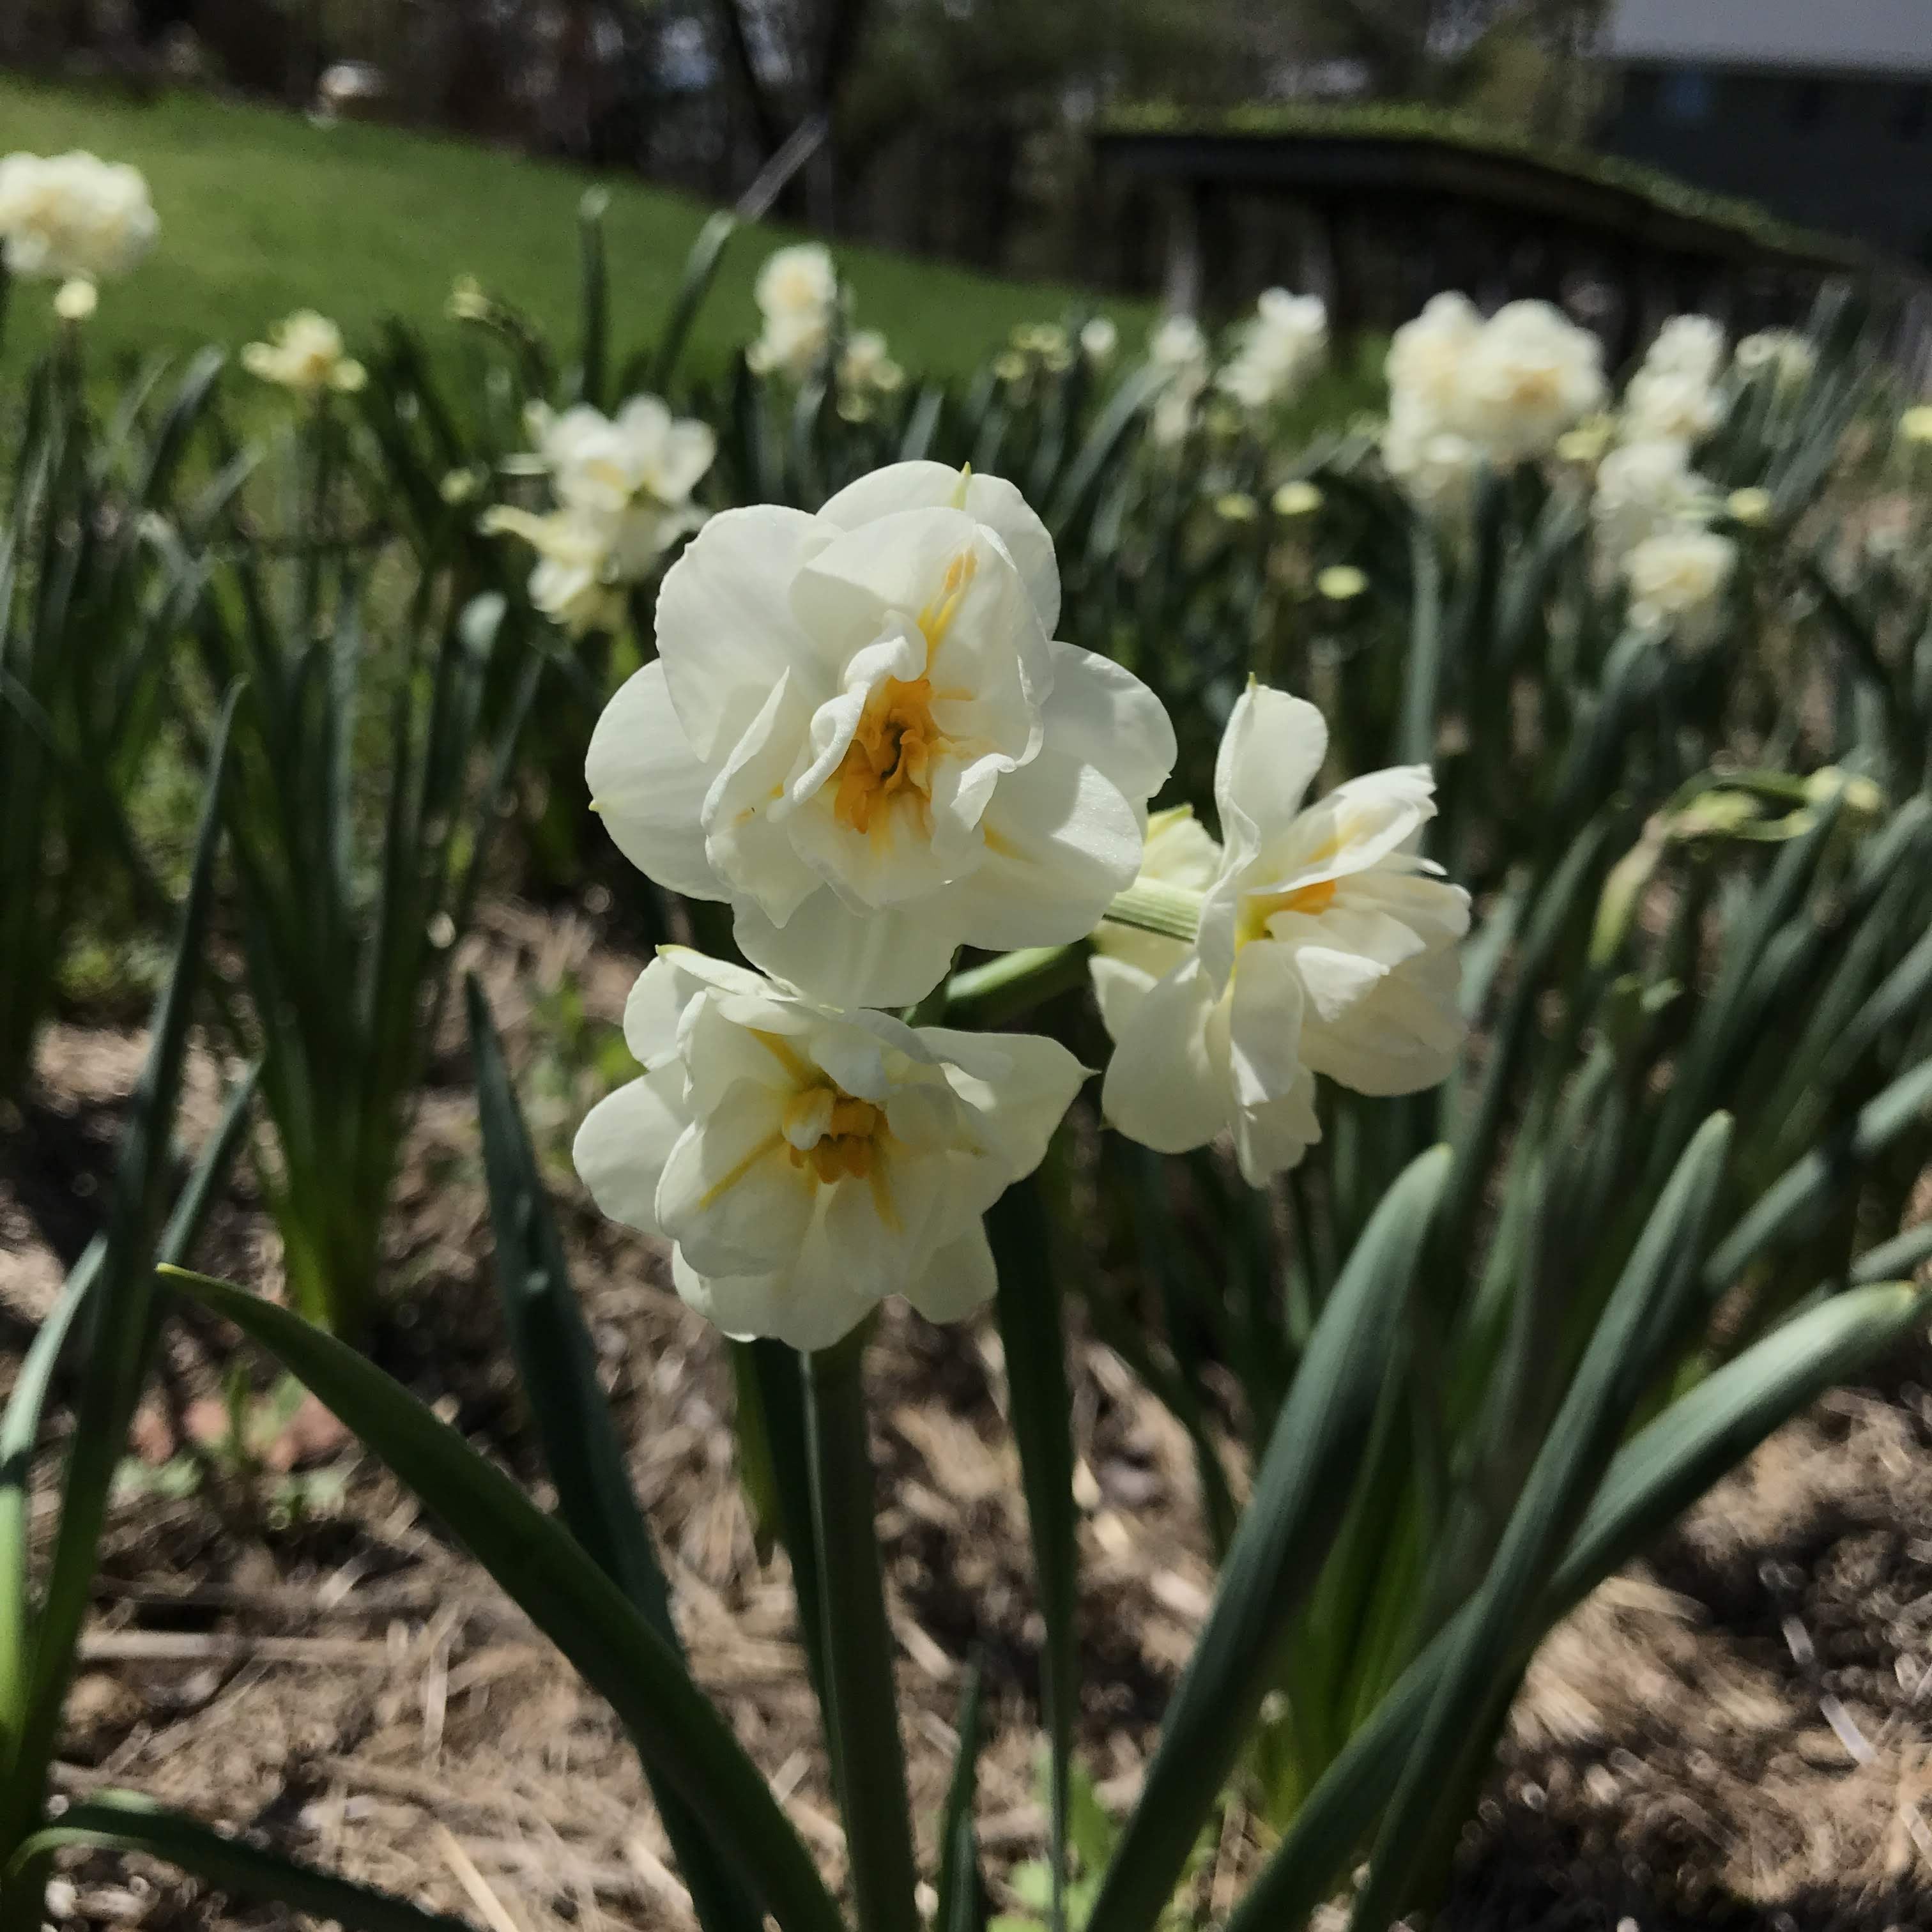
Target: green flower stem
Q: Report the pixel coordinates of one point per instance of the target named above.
(1002, 988)
(1173, 911)
(861, 1708)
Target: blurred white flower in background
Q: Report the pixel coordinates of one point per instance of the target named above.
(67, 216)
(866, 372)
(860, 733)
(1915, 424)
(1099, 337)
(1688, 345)
(623, 487)
(1662, 405)
(305, 352)
(1642, 488)
(1464, 392)
(1278, 350)
(796, 292)
(76, 300)
(1327, 946)
(1788, 355)
(807, 1163)
(1176, 343)
(1677, 581)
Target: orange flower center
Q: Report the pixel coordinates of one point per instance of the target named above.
(891, 753)
(1260, 907)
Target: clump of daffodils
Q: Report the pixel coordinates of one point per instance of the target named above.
(807, 1162)
(74, 216)
(1277, 351)
(797, 295)
(623, 485)
(305, 352)
(1326, 946)
(861, 733)
(1464, 392)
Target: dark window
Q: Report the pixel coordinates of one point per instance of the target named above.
(1809, 100)
(1640, 92)
(1914, 112)
(1687, 95)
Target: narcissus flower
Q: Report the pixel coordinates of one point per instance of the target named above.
(623, 484)
(1327, 946)
(1506, 389)
(63, 216)
(806, 1163)
(1688, 345)
(1099, 337)
(1279, 349)
(76, 300)
(303, 352)
(796, 292)
(1789, 356)
(860, 733)
(1643, 488)
(1677, 581)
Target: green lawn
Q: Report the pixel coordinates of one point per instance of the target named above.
(261, 212)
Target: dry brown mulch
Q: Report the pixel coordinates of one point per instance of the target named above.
(1739, 1734)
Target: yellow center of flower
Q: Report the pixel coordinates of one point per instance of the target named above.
(1259, 907)
(847, 1133)
(892, 750)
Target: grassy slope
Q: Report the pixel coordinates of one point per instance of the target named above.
(261, 212)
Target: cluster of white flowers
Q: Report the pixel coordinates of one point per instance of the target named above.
(1465, 391)
(861, 732)
(1277, 351)
(866, 371)
(305, 352)
(1651, 508)
(797, 295)
(74, 216)
(623, 485)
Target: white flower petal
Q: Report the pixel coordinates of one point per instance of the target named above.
(1162, 1088)
(649, 787)
(1270, 754)
(889, 959)
(1103, 714)
(991, 500)
(725, 631)
(731, 1195)
(1061, 841)
(621, 1149)
(960, 1279)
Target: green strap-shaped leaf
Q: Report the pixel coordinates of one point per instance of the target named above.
(1300, 1492)
(541, 1568)
(1657, 1475)
(118, 1331)
(1032, 1337)
(962, 1898)
(118, 1821)
(700, 270)
(1790, 1206)
(558, 1366)
(1643, 1314)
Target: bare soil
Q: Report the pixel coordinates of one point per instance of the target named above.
(1738, 1733)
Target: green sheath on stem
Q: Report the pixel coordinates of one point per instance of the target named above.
(861, 1708)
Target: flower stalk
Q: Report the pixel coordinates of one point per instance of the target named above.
(861, 1705)
(1153, 905)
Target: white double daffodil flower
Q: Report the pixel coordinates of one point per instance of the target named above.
(861, 732)
(1327, 946)
(806, 1163)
